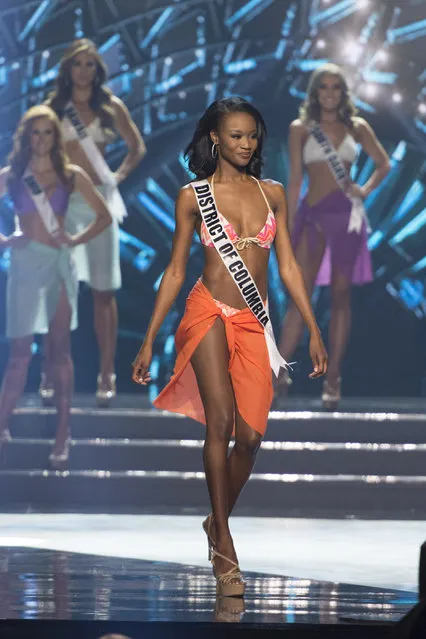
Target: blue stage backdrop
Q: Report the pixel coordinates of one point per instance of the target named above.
(168, 61)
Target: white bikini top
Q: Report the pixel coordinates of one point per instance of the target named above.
(312, 151)
(94, 129)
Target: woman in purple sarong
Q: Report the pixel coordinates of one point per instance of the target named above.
(329, 232)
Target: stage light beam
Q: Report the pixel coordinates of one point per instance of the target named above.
(156, 27)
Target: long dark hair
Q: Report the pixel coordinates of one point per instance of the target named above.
(20, 156)
(311, 109)
(199, 150)
(100, 101)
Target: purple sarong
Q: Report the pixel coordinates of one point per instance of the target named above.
(347, 252)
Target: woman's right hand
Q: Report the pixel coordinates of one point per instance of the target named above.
(141, 364)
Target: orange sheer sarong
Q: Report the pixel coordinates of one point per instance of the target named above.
(249, 366)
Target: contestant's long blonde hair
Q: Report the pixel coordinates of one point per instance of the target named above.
(311, 109)
(100, 101)
(21, 153)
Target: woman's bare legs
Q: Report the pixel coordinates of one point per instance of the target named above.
(63, 369)
(46, 389)
(242, 459)
(340, 324)
(14, 379)
(210, 363)
(309, 259)
(240, 462)
(106, 327)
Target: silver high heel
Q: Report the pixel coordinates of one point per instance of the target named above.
(58, 459)
(331, 396)
(5, 436)
(46, 392)
(103, 396)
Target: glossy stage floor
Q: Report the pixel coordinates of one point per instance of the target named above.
(328, 530)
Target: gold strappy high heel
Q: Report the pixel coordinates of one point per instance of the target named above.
(231, 583)
(104, 396)
(206, 527)
(331, 395)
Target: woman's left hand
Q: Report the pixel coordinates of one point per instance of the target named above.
(318, 355)
(62, 238)
(355, 190)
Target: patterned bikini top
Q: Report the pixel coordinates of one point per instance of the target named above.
(264, 238)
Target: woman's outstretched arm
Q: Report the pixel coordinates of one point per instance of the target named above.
(172, 281)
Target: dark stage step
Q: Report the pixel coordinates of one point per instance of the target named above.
(311, 462)
(186, 454)
(310, 426)
(172, 491)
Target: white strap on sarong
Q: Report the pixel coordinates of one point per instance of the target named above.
(338, 169)
(41, 202)
(113, 197)
(237, 269)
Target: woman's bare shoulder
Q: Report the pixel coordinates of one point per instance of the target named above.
(298, 127)
(186, 198)
(273, 189)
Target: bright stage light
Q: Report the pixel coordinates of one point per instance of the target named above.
(382, 55)
(371, 90)
(352, 51)
(321, 44)
(397, 97)
(422, 109)
(362, 4)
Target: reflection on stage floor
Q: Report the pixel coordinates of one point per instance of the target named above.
(45, 584)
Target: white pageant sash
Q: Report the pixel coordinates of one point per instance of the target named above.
(113, 197)
(338, 169)
(42, 203)
(237, 269)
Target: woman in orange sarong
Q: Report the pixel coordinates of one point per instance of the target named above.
(222, 375)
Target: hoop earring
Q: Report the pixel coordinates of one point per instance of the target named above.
(214, 150)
